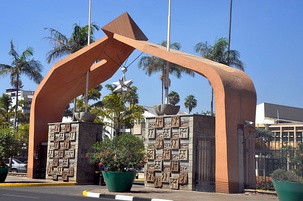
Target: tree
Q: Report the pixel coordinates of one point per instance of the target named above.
(6, 113)
(207, 113)
(265, 135)
(263, 138)
(152, 64)
(8, 144)
(173, 98)
(63, 46)
(23, 135)
(94, 95)
(121, 111)
(190, 103)
(21, 64)
(132, 98)
(219, 52)
(22, 117)
(5, 109)
(68, 111)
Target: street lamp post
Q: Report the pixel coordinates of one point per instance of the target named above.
(88, 42)
(168, 49)
(229, 30)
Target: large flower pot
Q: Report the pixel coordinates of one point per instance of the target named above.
(289, 191)
(119, 181)
(85, 116)
(3, 174)
(166, 109)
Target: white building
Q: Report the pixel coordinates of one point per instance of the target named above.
(285, 122)
(268, 113)
(22, 95)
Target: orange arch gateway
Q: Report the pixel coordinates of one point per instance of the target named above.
(235, 96)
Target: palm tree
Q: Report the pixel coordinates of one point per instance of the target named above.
(94, 95)
(21, 64)
(152, 64)
(133, 96)
(173, 98)
(190, 103)
(263, 134)
(220, 53)
(63, 45)
(21, 116)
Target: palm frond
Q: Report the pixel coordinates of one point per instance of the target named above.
(13, 52)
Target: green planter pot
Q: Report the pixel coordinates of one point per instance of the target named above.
(119, 181)
(3, 174)
(289, 191)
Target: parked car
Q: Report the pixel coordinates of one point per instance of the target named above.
(17, 165)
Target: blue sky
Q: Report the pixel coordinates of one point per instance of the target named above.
(268, 34)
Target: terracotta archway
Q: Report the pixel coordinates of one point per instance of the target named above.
(235, 95)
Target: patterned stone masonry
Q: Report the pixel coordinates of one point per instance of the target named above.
(67, 145)
(168, 142)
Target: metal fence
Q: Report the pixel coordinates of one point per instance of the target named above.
(268, 160)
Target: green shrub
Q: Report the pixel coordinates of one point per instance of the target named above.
(283, 175)
(8, 145)
(123, 153)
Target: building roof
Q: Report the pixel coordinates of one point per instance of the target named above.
(278, 113)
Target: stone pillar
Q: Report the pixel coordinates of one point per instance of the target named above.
(68, 144)
(171, 150)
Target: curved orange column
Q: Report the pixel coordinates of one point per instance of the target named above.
(235, 99)
(66, 79)
(235, 96)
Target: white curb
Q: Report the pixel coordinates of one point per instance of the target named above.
(119, 197)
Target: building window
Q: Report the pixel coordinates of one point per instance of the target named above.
(299, 136)
(277, 134)
(291, 136)
(285, 136)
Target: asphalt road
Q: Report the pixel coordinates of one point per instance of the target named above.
(74, 193)
(56, 193)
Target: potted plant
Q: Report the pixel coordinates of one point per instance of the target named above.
(8, 149)
(288, 185)
(119, 158)
(171, 108)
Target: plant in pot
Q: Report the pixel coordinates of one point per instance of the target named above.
(119, 158)
(288, 185)
(171, 108)
(8, 148)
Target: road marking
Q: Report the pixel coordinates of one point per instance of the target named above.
(20, 196)
(124, 197)
(92, 195)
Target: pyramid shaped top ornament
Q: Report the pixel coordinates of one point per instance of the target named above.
(124, 25)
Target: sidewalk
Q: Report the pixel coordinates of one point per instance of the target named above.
(20, 180)
(141, 193)
(146, 194)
